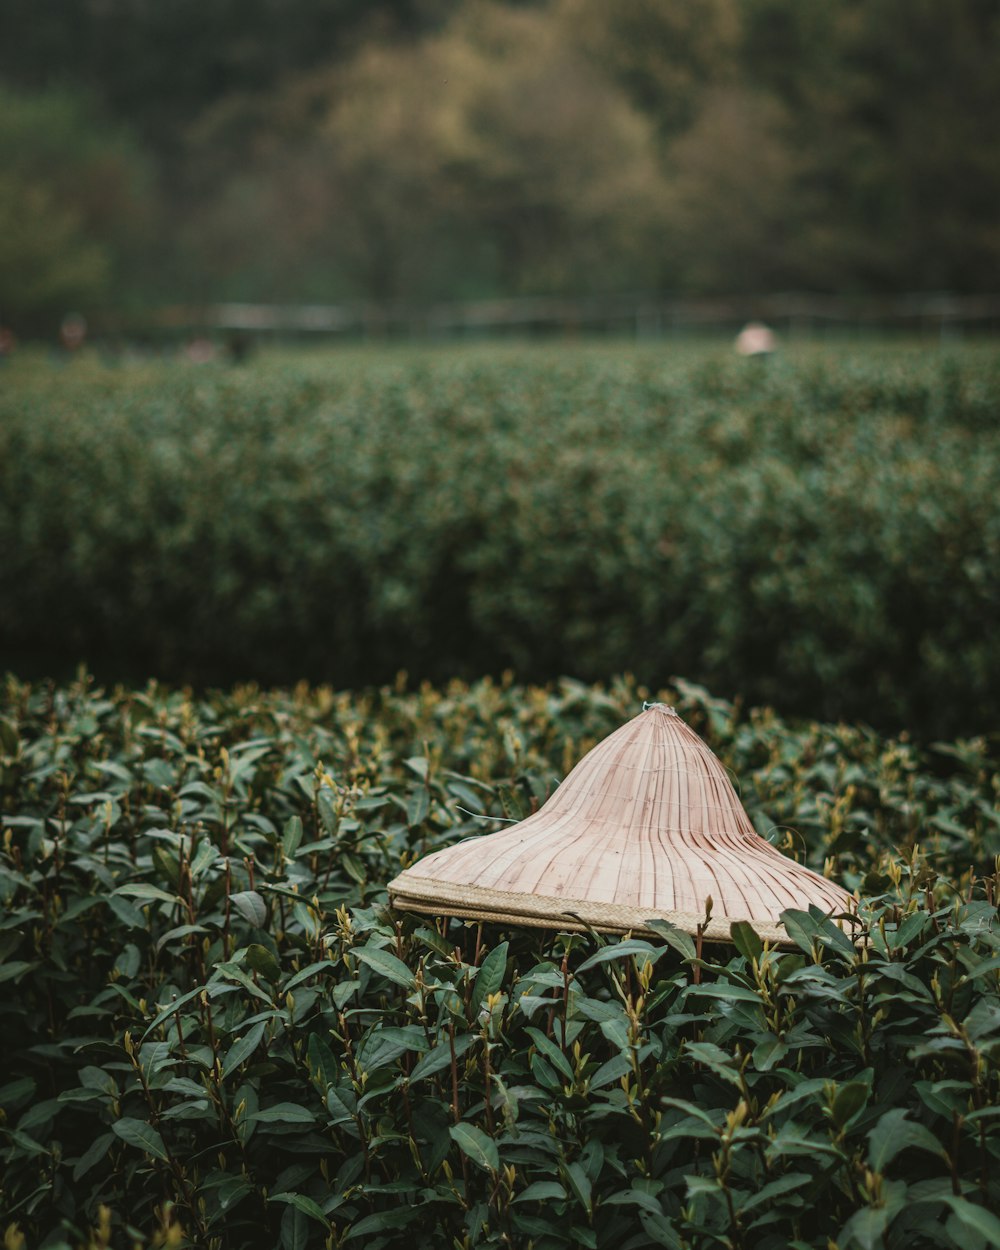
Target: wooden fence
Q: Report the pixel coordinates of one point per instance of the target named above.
(635, 316)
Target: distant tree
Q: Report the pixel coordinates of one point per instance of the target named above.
(71, 199)
(500, 129)
(894, 112)
(491, 157)
(665, 56)
(731, 213)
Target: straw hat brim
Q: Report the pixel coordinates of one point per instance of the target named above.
(412, 892)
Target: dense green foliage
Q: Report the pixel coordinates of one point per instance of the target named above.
(820, 532)
(215, 1032)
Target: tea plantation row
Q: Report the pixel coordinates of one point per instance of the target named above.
(216, 1034)
(821, 532)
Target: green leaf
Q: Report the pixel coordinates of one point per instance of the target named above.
(976, 1219)
(611, 1071)
(439, 1057)
(16, 968)
(232, 972)
(579, 1182)
(674, 937)
(865, 1228)
(294, 1229)
(489, 978)
(634, 1197)
(143, 890)
(473, 1142)
(419, 765)
(727, 990)
(387, 966)
(206, 854)
(283, 1113)
(292, 836)
(807, 927)
(551, 1052)
(8, 736)
(243, 1048)
(801, 928)
(263, 962)
(167, 1012)
(643, 951)
(322, 1064)
(94, 1153)
(381, 1221)
(322, 965)
(417, 808)
(783, 1185)
(541, 1191)
(302, 1203)
(659, 1229)
(768, 1052)
(715, 1058)
(141, 1135)
(251, 907)
(848, 1101)
(893, 1133)
(746, 940)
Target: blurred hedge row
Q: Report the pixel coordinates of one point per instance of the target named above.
(821, 532)
(216, 1034)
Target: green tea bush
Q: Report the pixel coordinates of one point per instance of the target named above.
(821, 532)
(215, 1033)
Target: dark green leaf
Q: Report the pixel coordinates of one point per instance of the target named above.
(260, 959)
(473, 1142)
(489, 978)
(141, 1135)
(251, 907)
(388, 966)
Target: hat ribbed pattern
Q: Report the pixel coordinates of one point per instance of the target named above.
(647, 825)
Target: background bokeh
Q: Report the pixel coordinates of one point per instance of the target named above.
(326, 150)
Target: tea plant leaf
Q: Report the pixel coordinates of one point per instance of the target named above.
(439, 1057)
(473, 1142)
(243, 1048)
(489, 978)
(141, 1135)
(302, 1203)
(746, 940)
(292, 836)
(551, 1052)
(260, 959)
(143, 890)
(93, 1155)
(977, 1220)
(168, 1011)
(387, 965)
(893, 1133)
(676, 938)
(579, 1183)
(849, 1100)
(541, 1191)
(283, 1113)
(251, 907)
(643, 951)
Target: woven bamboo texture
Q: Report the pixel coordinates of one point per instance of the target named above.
(647, 826)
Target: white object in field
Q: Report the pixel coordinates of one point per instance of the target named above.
(756, 339)
(647, 826)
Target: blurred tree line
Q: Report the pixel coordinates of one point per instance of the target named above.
(318, 150)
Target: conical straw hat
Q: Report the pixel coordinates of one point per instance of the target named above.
(646, 826)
